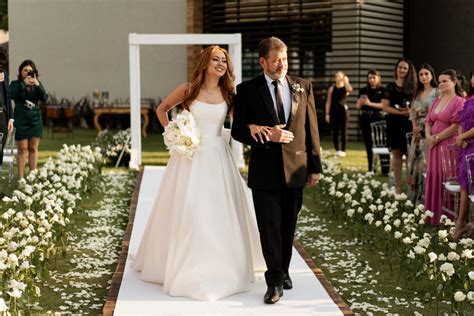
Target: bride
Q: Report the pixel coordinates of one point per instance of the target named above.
(201, 240)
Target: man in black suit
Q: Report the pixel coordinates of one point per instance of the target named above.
(6, 112)
(275, 114)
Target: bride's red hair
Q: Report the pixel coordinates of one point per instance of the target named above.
(226, 82)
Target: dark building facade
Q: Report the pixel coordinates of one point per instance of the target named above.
(440, 33)
(325, 36)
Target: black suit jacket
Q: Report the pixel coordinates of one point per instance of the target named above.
(6, 97)
(276, 165)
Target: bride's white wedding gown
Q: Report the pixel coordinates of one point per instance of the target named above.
(201, 240)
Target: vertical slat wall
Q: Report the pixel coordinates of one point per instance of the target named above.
(365, 34)
(323, 36)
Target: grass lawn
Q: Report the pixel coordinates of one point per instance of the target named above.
(154, 152)
(153, 148)
(339, 255)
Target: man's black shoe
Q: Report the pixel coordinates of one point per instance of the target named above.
(287, 283)
(273, 294)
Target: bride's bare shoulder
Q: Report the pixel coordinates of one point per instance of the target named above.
(183, 88)
(180, 91)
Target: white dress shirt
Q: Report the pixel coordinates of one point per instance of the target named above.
(285, 95)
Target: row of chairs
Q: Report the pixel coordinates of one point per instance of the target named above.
(380, 148)
(449, 159)
(451, 186)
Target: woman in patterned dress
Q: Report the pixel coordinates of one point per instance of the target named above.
(426, 92)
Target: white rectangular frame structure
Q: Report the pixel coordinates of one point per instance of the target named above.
(135, 40)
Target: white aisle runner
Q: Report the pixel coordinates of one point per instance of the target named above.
(136, 297)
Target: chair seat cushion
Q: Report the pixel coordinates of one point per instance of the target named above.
(8, 159)
(381, 151)
(452, 186)
(10, 152)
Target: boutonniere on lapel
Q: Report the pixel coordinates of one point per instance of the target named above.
(296, 88)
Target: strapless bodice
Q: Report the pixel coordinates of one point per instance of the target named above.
(209, 117)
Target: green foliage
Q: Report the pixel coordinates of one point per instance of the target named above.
(376, 250)
(115, 145)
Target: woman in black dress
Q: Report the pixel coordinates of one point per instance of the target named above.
(396, 103)
(369, 103)
(337, 114)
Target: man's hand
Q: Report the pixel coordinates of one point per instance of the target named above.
(312, 180)
(279, 135)
(259, 133)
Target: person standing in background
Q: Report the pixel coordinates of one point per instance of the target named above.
(470, 91)
(465, 140)
(6, 112)
(337, 114)
(426, 92)
(370, 105)
(27, 91)
(441, 126)
(396, 103)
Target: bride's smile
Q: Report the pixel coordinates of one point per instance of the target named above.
(217, 64)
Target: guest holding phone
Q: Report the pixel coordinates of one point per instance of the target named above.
(27, 92)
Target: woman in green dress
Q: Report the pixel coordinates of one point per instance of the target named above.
(426, 92)
(27, 91)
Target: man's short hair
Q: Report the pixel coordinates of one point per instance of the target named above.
(268, 44)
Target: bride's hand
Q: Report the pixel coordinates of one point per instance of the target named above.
(259, 132)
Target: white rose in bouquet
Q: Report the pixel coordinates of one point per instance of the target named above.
(182, 136)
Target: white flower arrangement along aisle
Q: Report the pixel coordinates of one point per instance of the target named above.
(114, 144)
(35, 217)
(375, 214)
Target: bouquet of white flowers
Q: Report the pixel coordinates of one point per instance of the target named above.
(182, 136)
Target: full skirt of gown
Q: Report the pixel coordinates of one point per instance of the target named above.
(201, 240)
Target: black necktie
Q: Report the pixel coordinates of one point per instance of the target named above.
(279, 102)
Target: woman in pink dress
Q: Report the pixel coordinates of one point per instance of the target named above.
(441, 127)
(465, 141)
